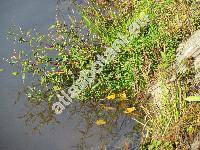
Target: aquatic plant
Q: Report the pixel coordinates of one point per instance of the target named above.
(56, 60)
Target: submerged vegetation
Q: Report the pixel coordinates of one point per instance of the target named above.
(56, 59)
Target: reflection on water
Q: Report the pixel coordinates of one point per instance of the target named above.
(118, 132)
(75, 128)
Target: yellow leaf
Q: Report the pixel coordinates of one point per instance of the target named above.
(122, 96)
(59, 72)
(190, 130)
(100, 122)
(101, 106)
(129, 110)
(74, 63)
(111, 96)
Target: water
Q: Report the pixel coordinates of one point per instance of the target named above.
(14, 133)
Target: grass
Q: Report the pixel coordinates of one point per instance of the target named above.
(175, 122)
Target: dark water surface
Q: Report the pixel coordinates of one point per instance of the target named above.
(14, 133)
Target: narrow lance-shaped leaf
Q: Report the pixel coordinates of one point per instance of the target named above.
(1, 69)
(14, 73)
(193, 99)
(87, 21)
(52, 27)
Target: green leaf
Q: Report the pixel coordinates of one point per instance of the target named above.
(56, 88)
(193, 99)
(87, 21)
(23, 76)
(14, 73)
(1, 69)
(42, 80)
(52, 27)
(28, 32)
(21, 39)
(50, 97)
(40, 38)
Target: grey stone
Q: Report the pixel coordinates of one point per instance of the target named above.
(190, 49)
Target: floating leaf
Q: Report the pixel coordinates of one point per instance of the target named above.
(111, 96)
(1, 69)
(23, 76)
(52, 27)
(129, 110)
(193, 98)
(14, 73)
(100, 122)
(122, 96)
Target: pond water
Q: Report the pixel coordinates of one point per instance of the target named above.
(15, 134)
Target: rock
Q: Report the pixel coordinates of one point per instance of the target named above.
(186, 50)
(196, 143)
(190, 49)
